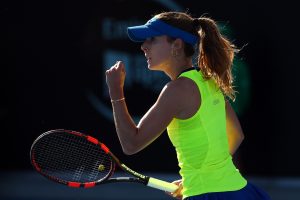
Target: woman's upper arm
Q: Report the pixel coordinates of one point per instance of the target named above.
(158, 117)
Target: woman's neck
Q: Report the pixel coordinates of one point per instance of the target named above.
(174, 70)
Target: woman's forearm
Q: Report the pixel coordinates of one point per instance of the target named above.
(125, 126)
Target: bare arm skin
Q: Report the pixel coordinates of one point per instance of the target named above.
(134, 138)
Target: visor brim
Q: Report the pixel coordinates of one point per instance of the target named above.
(141, 33)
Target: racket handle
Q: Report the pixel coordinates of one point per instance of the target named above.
(162, 185)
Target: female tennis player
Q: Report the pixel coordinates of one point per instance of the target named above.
(201, 124)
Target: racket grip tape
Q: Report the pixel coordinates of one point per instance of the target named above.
(162, 185)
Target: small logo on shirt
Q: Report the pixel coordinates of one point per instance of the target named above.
(216, 101)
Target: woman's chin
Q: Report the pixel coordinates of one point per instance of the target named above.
(150, 67)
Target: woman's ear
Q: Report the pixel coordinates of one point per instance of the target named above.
(177, 44)
(177, 47)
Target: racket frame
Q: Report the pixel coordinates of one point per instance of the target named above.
(137, 177)
(107, 179)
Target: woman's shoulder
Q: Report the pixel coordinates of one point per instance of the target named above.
(184, 93)
(181, 87)
(184, 84)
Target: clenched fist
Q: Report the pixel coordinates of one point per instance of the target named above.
(115, 78)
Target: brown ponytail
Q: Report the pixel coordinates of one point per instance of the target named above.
(216, 55)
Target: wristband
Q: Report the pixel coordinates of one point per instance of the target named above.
(117, 100)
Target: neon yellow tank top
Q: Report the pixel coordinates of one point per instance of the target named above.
(202, 146)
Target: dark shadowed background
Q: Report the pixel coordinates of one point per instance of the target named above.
(54, 55)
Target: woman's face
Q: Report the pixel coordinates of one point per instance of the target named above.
(158, 52)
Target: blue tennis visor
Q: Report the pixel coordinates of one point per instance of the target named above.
(155, 27)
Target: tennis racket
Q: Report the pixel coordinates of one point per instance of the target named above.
(78, 160)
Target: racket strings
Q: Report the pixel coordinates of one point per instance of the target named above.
(70, 157)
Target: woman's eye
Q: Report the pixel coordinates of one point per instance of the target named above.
(151, 39)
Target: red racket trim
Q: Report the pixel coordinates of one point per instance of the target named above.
(74, 184)
(85, 185)
(89, 185)
(92, 140)
(104, 148)
(95, 141)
